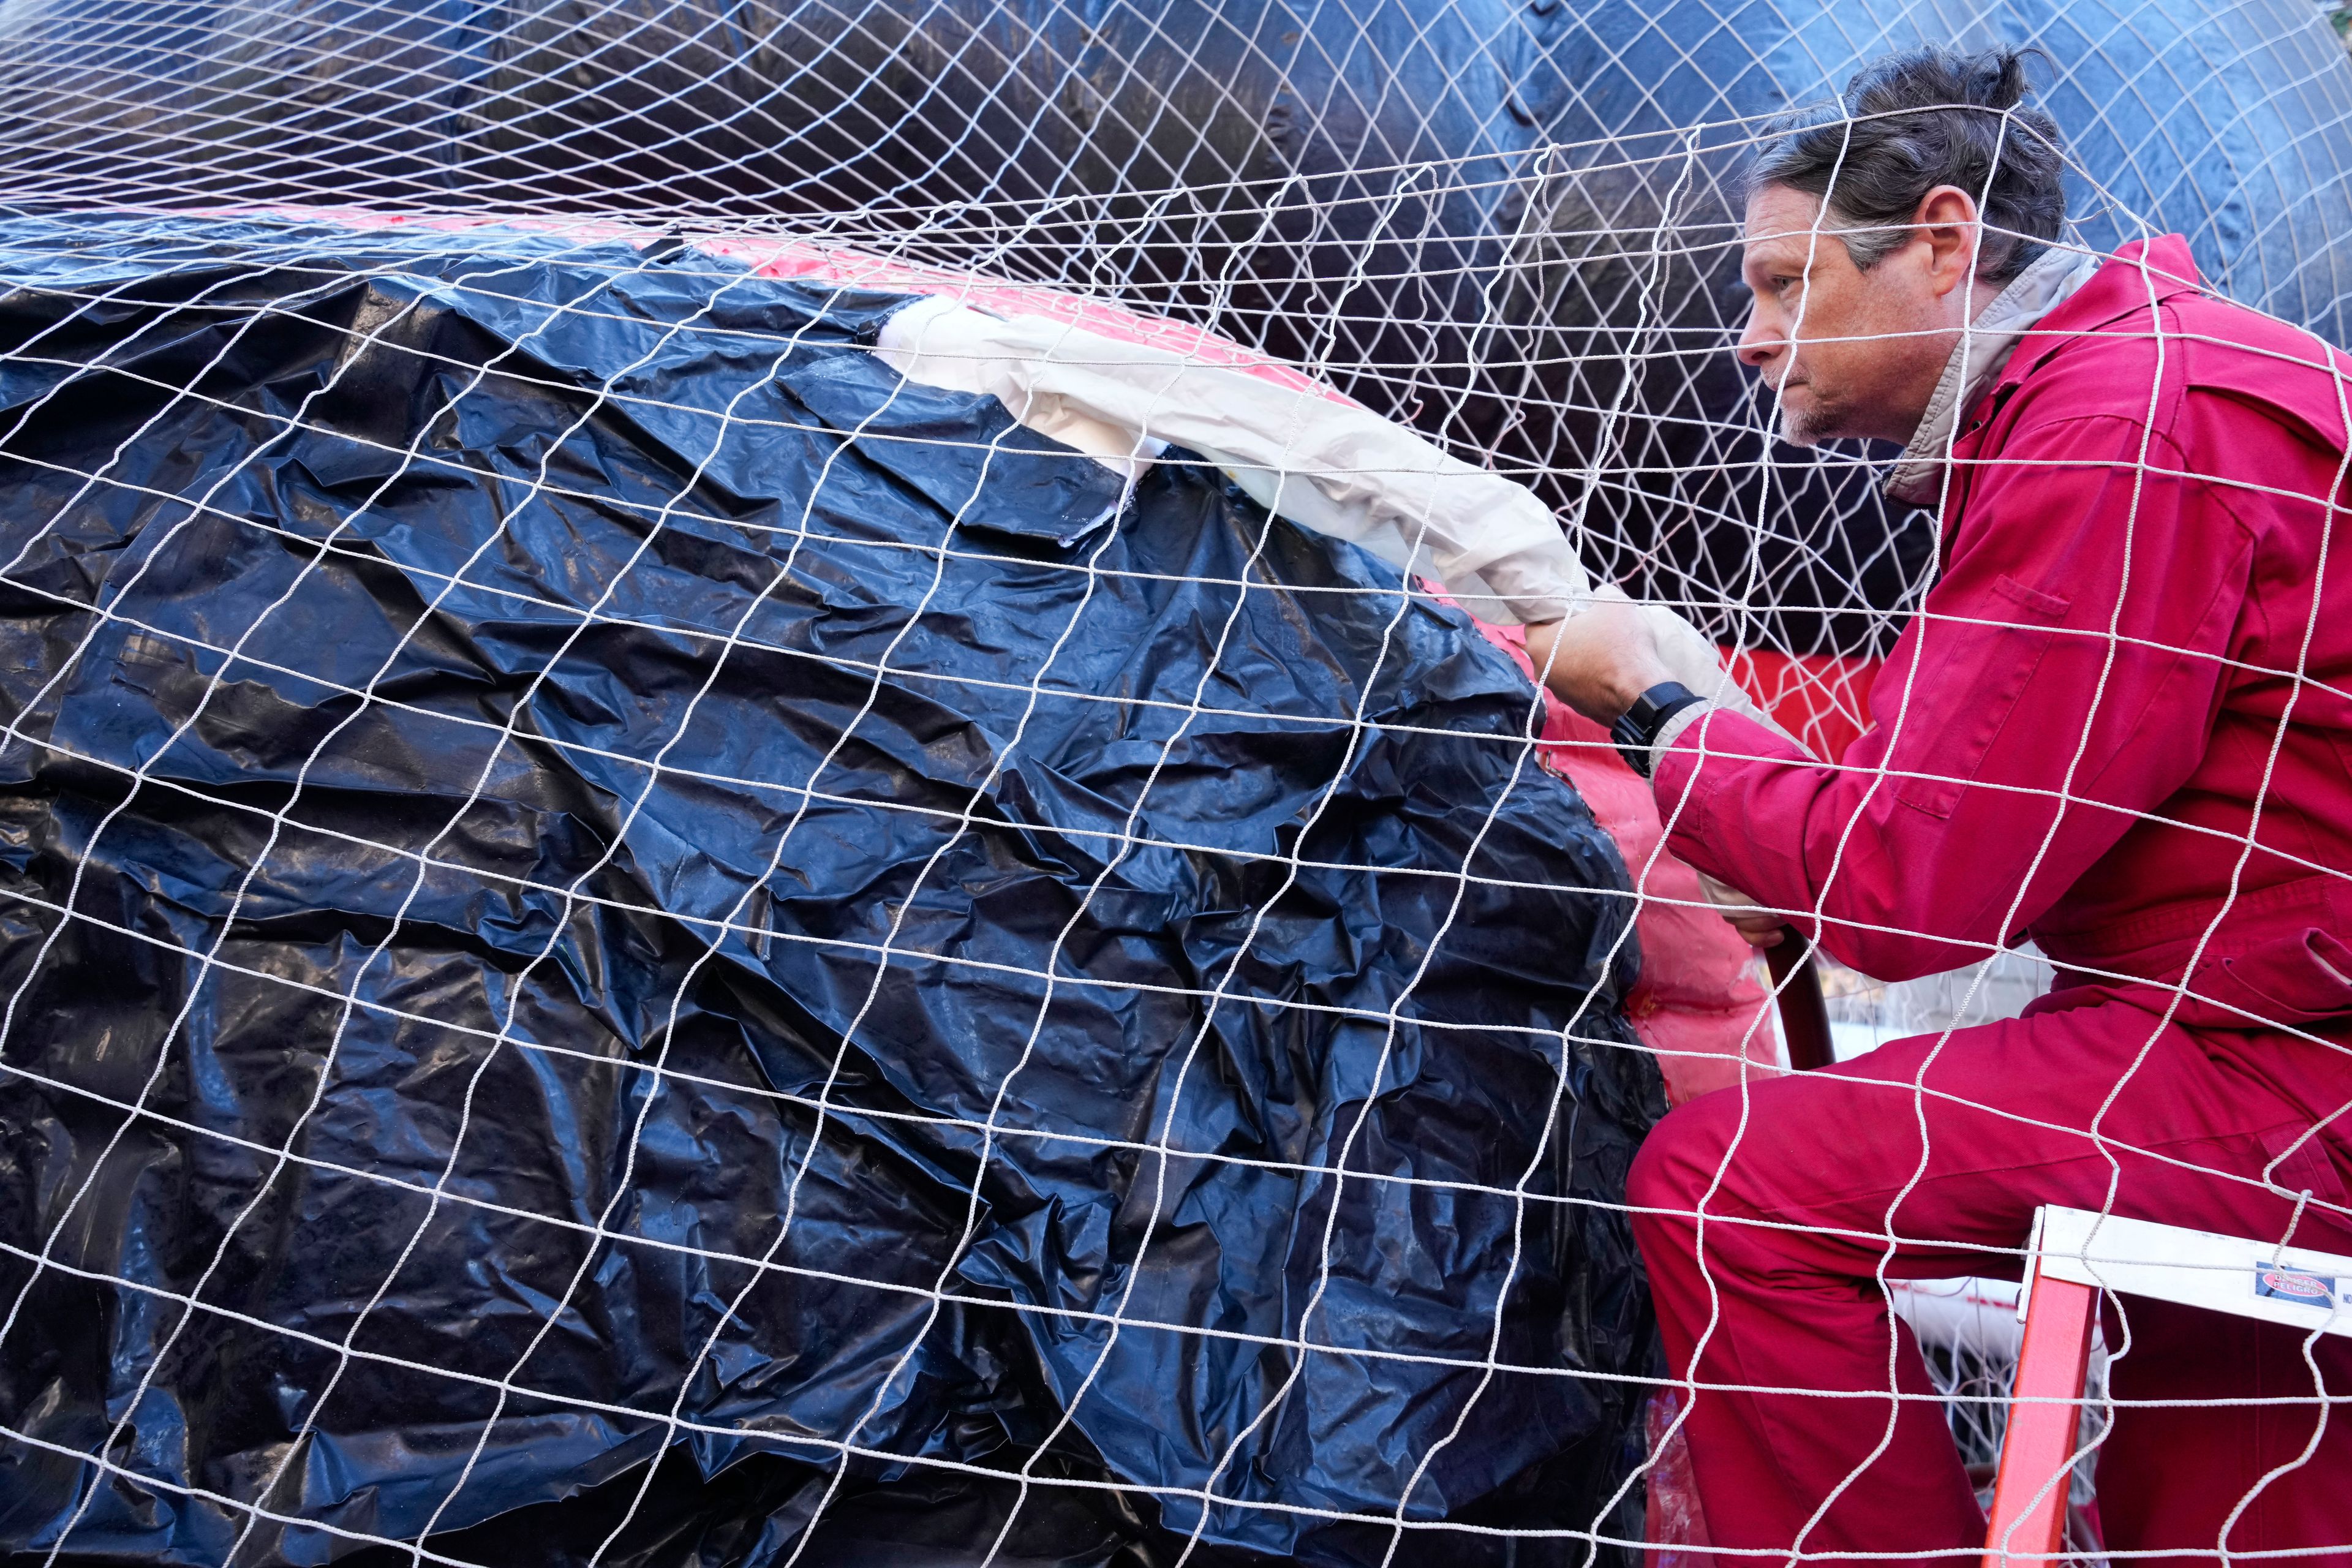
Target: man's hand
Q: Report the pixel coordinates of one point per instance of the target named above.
(1599, 660)
(1757, 927)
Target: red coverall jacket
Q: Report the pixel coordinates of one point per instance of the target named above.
(2120, 725)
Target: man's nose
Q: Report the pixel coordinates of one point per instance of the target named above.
(1760, 341)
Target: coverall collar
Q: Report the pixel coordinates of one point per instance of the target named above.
(1977, 360)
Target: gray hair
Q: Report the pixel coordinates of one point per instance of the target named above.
(1920, 119)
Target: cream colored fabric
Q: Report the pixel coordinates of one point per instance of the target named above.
(1332, 467)
(1670, 730)
(1326, 465)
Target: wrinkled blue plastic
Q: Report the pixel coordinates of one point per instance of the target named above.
(980, 707)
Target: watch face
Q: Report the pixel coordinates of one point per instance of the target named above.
(1643, 715)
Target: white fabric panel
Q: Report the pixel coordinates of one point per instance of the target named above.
(1323, 462)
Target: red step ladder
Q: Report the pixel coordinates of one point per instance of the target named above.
(2075, 1255)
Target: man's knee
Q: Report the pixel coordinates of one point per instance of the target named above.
(1680, 1160)
(1753, 1164)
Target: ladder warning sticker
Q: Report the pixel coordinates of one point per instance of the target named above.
(2294, 1285)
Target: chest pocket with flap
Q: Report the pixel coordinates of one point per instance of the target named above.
(1994, 658)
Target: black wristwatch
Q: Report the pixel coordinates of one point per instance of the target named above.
(1636, 730)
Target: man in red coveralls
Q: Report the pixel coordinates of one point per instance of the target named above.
(2120, 726)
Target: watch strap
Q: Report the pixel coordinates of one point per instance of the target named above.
(1636, 732)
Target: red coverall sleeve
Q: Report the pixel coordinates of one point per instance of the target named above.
(2062, 676)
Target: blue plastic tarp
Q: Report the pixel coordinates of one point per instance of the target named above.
(585, 875)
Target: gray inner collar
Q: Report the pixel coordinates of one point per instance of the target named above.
(1977, 358)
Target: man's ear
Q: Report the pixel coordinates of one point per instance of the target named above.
(1947, 221)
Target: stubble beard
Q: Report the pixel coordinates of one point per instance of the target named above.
(1810, 424)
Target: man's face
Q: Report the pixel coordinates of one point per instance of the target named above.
(1851, 354)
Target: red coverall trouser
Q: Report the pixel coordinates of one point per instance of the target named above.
(1840, 1153)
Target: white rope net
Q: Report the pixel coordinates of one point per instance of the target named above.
(1509, 227)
